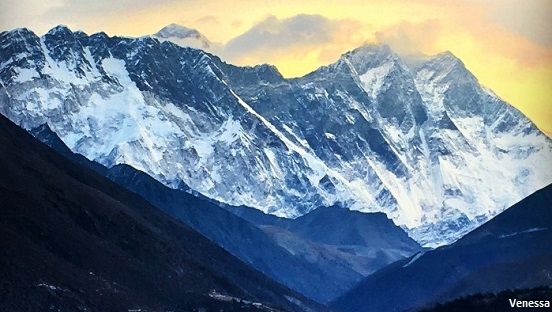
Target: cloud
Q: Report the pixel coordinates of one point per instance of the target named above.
(299, 34)
(78, 8)
(530, 18)
(209, 20)
(236, 23)
(411, 38)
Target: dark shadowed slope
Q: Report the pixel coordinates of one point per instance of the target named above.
(73, 240)
(338, 236)
(363, 241)
(321, 280)
(341, 226)
(321, 255)
(508, 252)
(246, 241)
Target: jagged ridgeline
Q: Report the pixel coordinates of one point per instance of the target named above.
(419, 138)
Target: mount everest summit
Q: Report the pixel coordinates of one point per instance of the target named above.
(183, 36)
(425, 143)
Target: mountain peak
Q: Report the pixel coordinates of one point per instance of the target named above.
(175, 30)
(21, 30)
(17, 35)
(370, 51)
(183, 36)
(447, 57)
(446, 65)
(59, 30)
(372, 48)
(371, 56)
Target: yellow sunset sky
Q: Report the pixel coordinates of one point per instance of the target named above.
(507, 44)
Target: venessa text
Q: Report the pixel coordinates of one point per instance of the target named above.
(514, 303)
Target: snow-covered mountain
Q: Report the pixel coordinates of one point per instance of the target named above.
(424, 143)
(183, 36)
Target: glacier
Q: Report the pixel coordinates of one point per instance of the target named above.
(421, 141)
